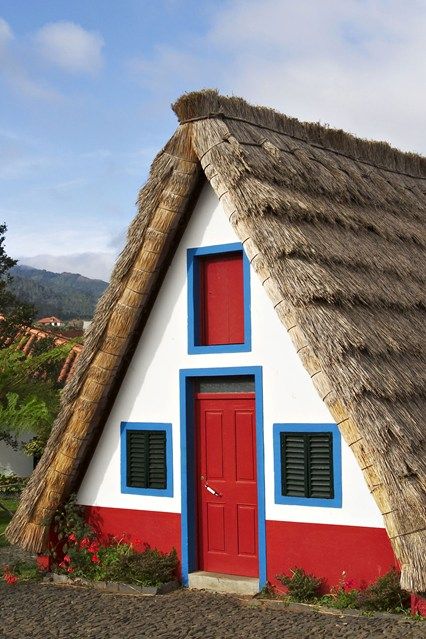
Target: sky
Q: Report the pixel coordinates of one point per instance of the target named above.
(86, 88)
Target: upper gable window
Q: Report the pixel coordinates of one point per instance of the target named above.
(218, 299)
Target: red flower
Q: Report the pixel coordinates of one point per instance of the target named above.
(62, 564)
(349, 584)
(72, 538)
(69, 569)
(10, 578)
(85, 542)
(95, 559)
(67, 559)
(94, 547)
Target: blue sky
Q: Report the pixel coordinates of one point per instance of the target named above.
(86, 89)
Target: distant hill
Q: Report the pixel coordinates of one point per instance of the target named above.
(65, 295)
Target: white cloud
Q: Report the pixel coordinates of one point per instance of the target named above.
(6, 34)
(356, 65)
(70, 47)
(14, 70)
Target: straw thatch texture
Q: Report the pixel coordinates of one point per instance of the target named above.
(334, 227)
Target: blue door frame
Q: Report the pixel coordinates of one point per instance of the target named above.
(188, 459)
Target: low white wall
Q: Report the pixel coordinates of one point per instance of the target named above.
(150, 390)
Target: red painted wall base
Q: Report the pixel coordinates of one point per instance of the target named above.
(327, 551)
(159, 530)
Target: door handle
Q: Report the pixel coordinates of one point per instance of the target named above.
(212, 491)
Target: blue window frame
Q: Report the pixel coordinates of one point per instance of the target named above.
(125, 430)
(193, 255)
(283, 430)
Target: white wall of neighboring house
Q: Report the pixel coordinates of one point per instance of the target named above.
(14, 461)
(150, 390)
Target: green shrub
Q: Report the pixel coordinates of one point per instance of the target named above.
(21, 571)
(78, 552)
(149, 568)
(341, 599)
(301, 585)
(385, 594)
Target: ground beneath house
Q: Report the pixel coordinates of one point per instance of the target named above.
(36, 610)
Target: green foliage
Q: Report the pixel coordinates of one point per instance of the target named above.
(384, 594)
(17, 313)
(11, 484)
(69, 520)
(302, 586)
(341, 599)
(23, 415)
(65, 295)
(148, 568)
(24, 570)
(79, 553)
(11, 505)
(29, 393)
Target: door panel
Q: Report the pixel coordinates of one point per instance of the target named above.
(227, 483)
(245, 444)
(214, 444)
(247, 525)
(216, 527)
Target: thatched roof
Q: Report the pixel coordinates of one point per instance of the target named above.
(334, 227)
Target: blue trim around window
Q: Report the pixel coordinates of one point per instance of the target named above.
(188, 460)
(336, 502)
(193, 280)
(152, 492)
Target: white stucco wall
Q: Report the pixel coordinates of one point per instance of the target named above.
(150, 390)
(14, 461)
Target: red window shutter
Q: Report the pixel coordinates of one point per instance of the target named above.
(222, 299)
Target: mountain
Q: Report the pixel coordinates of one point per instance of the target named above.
(65, 295)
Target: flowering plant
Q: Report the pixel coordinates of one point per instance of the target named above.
(344, 594)
(79, 552)
(21, 571)
(9, 577)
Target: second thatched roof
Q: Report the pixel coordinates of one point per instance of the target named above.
(334, 227)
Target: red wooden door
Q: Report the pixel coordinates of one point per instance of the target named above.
(227, 483)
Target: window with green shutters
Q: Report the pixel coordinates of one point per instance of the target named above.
(146, 458)
(308, 465)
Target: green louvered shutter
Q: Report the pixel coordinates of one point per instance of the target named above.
(320, 472)
(146, 459)
(157, 470)
(293, 465)
(307, 465)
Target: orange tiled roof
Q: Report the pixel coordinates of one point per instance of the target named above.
(28, 336)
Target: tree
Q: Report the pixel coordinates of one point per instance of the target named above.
(15, 313)
(29, 390)
(29, 394)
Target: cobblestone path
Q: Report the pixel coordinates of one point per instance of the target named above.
(43, 611)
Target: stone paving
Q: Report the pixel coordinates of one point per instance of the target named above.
(44, 611)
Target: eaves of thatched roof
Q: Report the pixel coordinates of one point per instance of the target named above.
(334, 227)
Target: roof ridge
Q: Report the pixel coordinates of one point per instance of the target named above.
(209, 104)
(212, 116)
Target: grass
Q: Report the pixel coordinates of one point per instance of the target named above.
(12, 505)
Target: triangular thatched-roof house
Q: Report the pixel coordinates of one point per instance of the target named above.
(333, 226)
